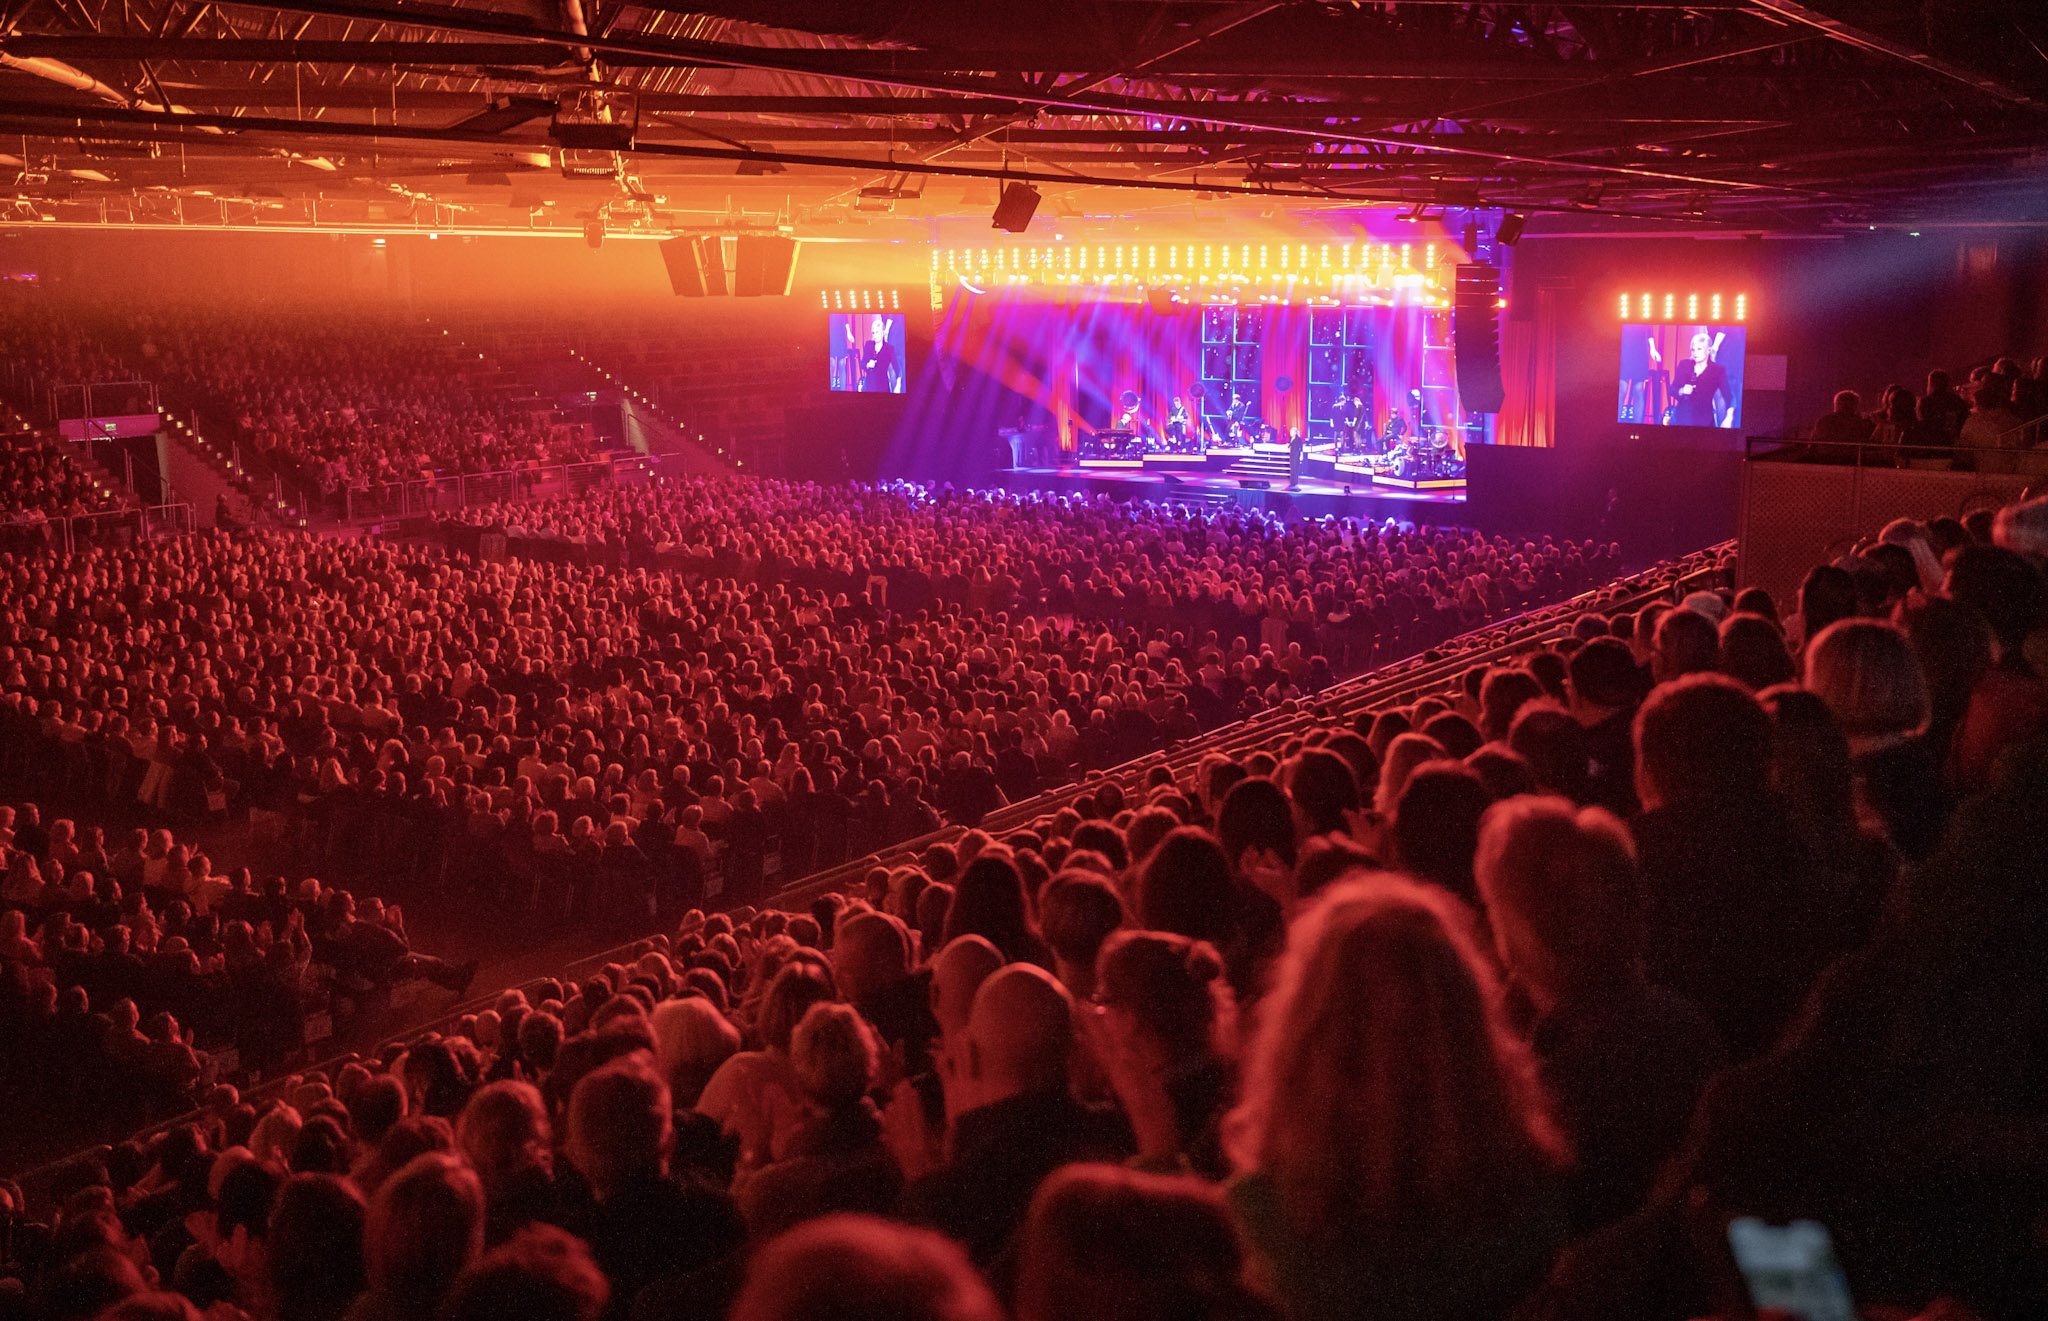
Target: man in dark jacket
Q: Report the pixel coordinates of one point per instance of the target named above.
(642, 1226)
(1022, 1122)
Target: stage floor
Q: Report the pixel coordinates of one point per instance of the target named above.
(1314, 497)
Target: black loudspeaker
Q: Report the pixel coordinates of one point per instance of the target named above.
(687, 276)
(1254, 484)
(1475, 337)
(1015, 208)
(766, 264)
(711, 260)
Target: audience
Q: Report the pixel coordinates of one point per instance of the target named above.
(1466, 1007)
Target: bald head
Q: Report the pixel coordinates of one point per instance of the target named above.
(870, 951)
(1020, 1033)
(958, 972)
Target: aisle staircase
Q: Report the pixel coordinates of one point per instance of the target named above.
(201, 469)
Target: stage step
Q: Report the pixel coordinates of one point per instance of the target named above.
(1259, 465)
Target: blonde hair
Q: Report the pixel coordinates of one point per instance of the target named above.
(1867, 674)
(1566, 877)
(1383, 1084)
(691, 1039)
(834, 1054)
(1404, 755)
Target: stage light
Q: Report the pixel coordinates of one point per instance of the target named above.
(1670, 306)
(1510, 231)
(1407, 252)
(1717, 307)
(1741, 307)
(1646, 307)
(1624, 307)
(1692, 307)
(1429, 255)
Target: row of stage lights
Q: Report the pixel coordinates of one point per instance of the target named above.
(860, 300)
(1186, 258)
(1643, 307)
(1418, 288)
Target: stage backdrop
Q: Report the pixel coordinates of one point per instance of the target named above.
(1061, 358)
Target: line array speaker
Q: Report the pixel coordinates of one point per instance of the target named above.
(1475, 337)
(766, 264)
(696, 264)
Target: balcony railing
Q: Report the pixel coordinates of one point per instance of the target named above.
(109, 528)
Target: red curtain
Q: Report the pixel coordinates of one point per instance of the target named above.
(1528, 363)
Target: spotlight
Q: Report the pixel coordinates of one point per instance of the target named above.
(1015, 208)
(1510, 231)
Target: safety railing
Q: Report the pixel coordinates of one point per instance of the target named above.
(111, 528)
(432, 497)
(2013, 454)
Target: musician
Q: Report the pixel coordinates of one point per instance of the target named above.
(1132, 418)
(877, 368)
(1699, 387)
(1296, 446)
(1396, 428)
(1177, 425)
(1350, 416)
(1235, 415)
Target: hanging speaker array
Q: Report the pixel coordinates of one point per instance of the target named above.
(1475, 337)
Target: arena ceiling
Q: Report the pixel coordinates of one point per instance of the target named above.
(871, 120)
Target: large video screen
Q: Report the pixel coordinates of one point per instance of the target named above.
(867, 351)
(1681, 375)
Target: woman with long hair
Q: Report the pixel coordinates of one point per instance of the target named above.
(1397, 1158)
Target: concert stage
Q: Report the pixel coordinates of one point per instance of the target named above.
(1316, 496)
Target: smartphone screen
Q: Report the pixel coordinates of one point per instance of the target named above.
(1791, 1267)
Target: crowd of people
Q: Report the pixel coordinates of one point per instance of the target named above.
(336, 403)
(136, 975)
(41, 479)
(808, 674)
(1990, 425)
(1504, 1001)
(352, 403)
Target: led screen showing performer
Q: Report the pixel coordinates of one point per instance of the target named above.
(868, 353)
(1681, 375)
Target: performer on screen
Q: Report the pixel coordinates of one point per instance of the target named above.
(877, 369)
(1699, 387)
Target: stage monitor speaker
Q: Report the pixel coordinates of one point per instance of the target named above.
(1475, 337)
(689, 275)
(766, 265)
(1015, 208)
(1254, 484)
